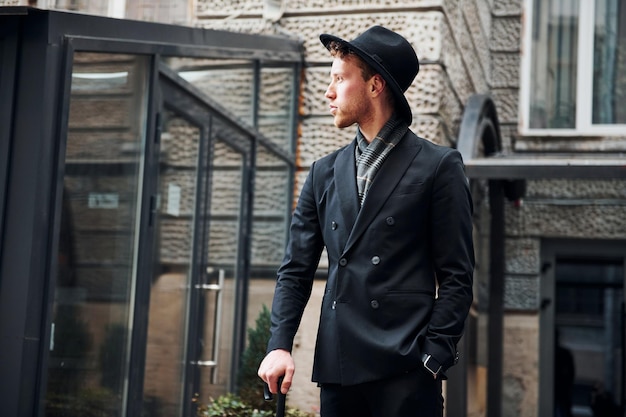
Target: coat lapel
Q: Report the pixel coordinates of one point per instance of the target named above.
(385, 181)
(345, 179)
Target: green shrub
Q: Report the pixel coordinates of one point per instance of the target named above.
(250, 401)
(88, 402)
(230, 405)
(250, 385)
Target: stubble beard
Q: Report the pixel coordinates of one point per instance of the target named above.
(341, 121)
(351, 111)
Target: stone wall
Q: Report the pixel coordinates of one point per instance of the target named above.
(557, 209)
(452, 40)
(464, 47)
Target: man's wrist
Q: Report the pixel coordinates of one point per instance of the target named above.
(431, 364)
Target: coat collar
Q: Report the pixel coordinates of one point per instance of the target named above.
(384, 183)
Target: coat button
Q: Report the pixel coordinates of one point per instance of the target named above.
(390, 221)
(375, 260)
(374, 304)
(333, 225)
(343, 262)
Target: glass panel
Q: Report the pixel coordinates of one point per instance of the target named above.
(272, 209)
(170, 292)
(554, 61)
(93, 297)
(271, 215)
(215, 319)
(609, 83)
(230, 83)
(217, 314)
(277, 106)
(589, 336)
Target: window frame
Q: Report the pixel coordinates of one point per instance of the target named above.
(584, 82)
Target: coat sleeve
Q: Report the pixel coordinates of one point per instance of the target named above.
(453, 258)
(297, 271)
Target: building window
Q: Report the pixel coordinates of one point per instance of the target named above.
(574, 75)
(589, 324)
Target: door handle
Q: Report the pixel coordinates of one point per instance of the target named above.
(204, 363)
(217, 321)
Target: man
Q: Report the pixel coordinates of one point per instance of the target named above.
(394, 213)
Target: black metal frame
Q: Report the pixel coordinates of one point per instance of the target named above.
(36, 48)
(247, 151)
(8, 50)
(480, 125)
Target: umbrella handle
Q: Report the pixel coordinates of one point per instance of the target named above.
(267, 395)
(280, 401)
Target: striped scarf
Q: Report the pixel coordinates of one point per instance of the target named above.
(370, 156)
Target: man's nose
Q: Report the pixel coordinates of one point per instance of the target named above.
(329, 92)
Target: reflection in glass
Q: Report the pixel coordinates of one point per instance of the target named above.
(93, 297)
(554, 62)
(277, 106)
(268, 104)
(231, 83)
(589, 323)
(169, 296)
(217, 308)
(271, 211)
(609, 83)
(193, 293)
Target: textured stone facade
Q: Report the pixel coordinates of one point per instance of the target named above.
(452, 43)
(464, 47)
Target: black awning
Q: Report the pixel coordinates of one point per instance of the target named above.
(535, 166)
(480, 144)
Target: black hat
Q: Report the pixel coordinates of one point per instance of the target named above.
(390, 55)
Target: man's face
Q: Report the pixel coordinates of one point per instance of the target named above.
(348, 93)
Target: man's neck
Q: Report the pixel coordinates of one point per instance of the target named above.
(370, 128)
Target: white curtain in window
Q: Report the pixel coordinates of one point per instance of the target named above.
(554, 64)
(609, 82)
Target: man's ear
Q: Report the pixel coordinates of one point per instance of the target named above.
(377, 84)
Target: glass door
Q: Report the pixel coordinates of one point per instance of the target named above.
(171, 286)
(202, 189)
(190, 310)
(93, 299)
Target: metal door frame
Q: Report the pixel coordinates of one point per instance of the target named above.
(176, 93)
(37, 47)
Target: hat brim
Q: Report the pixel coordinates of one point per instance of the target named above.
(403, 107)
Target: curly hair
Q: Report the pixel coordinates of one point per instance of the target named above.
(342, 50)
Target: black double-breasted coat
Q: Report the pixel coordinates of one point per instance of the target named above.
(399, 268)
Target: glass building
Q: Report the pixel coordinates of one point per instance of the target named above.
(146, 180)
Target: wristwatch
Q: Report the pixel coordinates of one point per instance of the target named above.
(431, 364)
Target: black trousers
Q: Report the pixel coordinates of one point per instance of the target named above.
(413, 394)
